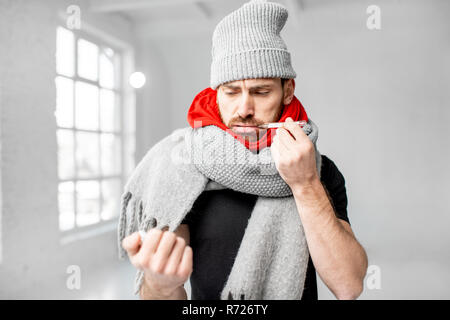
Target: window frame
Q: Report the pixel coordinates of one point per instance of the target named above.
(124, 98)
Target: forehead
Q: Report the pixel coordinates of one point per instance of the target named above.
(251, 83)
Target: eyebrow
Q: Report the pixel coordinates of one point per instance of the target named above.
(261, 86)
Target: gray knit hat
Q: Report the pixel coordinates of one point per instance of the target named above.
(246, 44)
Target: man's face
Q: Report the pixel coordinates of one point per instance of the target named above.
(245, 104)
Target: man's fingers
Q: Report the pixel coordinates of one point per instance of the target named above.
(151, 241)
(274, 149)
(132, 243)
(165, 247)
(294, 129)
(176, 256)
(148, 247)
(279, 149)
(285, 139)
(283, 150)
(185, 267)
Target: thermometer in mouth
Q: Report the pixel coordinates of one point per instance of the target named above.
(279, 124)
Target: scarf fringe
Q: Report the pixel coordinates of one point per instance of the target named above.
(133, 218)
(239, 296)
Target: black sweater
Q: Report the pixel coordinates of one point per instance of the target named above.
(217, 222)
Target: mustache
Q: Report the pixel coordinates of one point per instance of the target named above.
(246, 121)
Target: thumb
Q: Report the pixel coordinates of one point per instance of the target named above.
(132, 243)
(274, 150)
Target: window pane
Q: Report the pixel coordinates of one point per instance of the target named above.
(65, 154)
(86, 106)
(64, 102)
(87, 154)
(64, 52)
(66, 205)
(111, 192)
(111, 156)
(88, 202)
(109, 111)
(107, 69)
(87, 60)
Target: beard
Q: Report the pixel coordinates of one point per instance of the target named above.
(253, 135)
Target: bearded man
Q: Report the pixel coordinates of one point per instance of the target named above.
(243, 211)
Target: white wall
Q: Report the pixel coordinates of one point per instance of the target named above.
(34, 262)
(349, 79)
(381, 100)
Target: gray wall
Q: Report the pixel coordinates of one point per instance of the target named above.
(381, 100)
(34, 261)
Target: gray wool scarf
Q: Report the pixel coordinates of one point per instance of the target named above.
(273, 256)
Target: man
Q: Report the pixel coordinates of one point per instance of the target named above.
(252, 84)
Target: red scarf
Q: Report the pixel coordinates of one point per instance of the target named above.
(205, 111)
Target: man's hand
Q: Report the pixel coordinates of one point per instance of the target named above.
(165, 258)
(294, 156)
(340, 260)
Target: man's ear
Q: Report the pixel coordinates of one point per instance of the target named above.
(289, 88)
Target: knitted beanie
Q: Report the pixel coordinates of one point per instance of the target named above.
(246, 44)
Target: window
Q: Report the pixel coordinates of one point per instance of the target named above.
(95, 144)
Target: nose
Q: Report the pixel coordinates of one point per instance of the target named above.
(246, 106)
